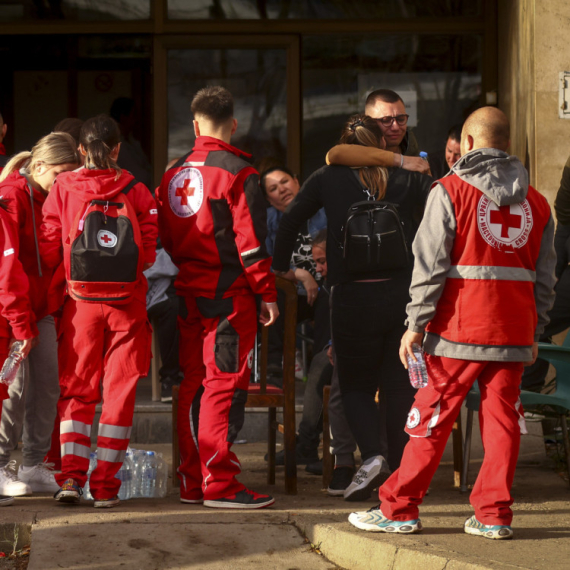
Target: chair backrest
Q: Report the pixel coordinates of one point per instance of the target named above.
(559, 357)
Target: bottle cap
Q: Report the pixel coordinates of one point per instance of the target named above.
(423, 155)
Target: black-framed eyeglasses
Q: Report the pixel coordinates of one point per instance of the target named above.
(388, 121)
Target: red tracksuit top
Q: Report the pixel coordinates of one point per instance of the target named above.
(18, 319)
(488, 298)
(16, 192)
(212, 220)
(69, 194)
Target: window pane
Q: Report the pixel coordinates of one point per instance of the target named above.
(257, 81)
(75, 10)
(439, 78)
(324, 9)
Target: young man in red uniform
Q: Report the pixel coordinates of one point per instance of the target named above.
(482, 285)
(212, 222)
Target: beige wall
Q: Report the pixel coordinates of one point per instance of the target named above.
(533, 48)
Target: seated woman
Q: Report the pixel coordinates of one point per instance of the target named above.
(368, 309)
(280, 186)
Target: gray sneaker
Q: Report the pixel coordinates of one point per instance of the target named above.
(10, 484)
(372, 473)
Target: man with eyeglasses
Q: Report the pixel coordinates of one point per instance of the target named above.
(388, 108)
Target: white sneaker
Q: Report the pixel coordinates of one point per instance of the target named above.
(9, 483)
(372, 473)
(40, 478)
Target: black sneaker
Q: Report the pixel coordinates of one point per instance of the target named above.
(341, 479)
(245, 499)
(6, 500)
(303, 455)
(166, 386)
(315, 468)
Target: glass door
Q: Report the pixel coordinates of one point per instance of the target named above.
(255, 70)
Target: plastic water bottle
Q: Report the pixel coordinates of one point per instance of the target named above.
(92, 465)
(417, 370)
(161, 478)
(12, 363)
(125, 475)
(149, 471)
(424, 155)
(138, 457)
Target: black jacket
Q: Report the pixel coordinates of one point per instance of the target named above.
(336, 188)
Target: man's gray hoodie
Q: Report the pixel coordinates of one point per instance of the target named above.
(504, 180)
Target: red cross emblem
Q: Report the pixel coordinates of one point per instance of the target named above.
(507, 220)
(106, 238)
(184, 192)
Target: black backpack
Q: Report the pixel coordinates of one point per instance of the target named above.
(373, 237)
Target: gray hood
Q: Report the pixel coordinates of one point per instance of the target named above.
(501, 177)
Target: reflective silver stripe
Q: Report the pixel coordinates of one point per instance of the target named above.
(193, 164)
(491, 272)
(115, 432)
(111, 455)
(72, 448)
(75, 426)
(250, 252)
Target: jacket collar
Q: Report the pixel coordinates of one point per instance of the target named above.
(210, 144)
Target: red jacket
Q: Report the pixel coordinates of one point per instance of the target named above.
(68, 196)
(18, 319)
(3, 157)
(488, 298)
(27, 220)
(212, 220)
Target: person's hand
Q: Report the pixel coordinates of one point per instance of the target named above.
(406, 343)
(27, 345)
(416, 164)
(309, 284)
(330, 354)
(534, 355)
(268, 314)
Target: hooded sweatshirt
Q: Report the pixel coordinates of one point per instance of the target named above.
(483, 275)
(69, 195)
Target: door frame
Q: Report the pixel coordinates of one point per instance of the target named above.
(162, 44)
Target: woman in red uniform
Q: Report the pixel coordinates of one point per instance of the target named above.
(24, 184)
(17, 321)
(99, 341)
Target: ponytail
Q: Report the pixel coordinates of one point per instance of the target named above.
(20, 160)
(99, 136)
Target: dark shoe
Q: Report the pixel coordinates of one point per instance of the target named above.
(106, 503)
(315, 468)
(341, 479)
(166, 386)
(70, 492)
(303, 455)
(245, 499)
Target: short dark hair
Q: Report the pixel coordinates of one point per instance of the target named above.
(386, 95)
(278, 167)
(71, 126)
(455, 133)
(320, 238)
(214, 103)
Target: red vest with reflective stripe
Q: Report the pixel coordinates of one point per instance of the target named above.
(488, 298)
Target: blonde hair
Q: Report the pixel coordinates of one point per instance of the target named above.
(363, 130)
(53, 149)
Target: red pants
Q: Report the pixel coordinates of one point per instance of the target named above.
(216, 354)
(108, 345)
(430, 421)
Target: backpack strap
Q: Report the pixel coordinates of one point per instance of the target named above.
(128, 187)
(364, 189)
(180, 162)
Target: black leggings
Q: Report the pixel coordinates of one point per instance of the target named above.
(367, 325)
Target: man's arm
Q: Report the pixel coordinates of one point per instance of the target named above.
(545, 278)
(357, 155)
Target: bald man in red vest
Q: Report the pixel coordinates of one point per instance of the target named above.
(481, 288)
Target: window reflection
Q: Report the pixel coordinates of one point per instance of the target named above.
(257, 81)
(439, 78)
(323, 9)
(15, 10)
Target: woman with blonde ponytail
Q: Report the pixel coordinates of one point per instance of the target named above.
(24, 185)
(368, 309)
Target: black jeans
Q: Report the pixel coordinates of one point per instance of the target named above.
(367, 326)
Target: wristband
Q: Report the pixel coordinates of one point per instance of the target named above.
(401, 161)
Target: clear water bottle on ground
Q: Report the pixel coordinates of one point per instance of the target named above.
(417, 370)
(138, 457)
(162, 477)
(92, 465)
(148, 475)
(125, 475)
(12, 364)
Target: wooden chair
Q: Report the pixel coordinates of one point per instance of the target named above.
(263, 396)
